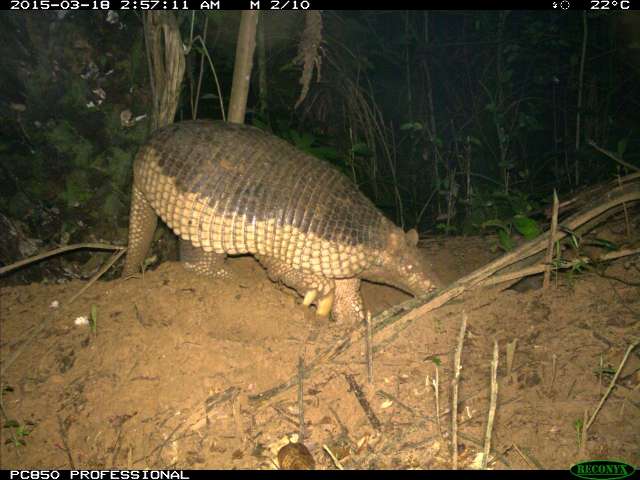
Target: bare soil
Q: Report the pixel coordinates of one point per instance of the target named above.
(165, 379)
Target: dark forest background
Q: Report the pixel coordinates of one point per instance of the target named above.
(454, 122)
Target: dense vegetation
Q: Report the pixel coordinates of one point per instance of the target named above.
(457, 122)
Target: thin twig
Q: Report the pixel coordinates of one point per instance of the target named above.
(457, 367)
(536, 269)
(492, 405)
(334, 459)
(530, 459)
(369, 347)
(613, 156)
(583, 434)
(301, 398)
(65, 443)
(395, 400)
(612, 384)
(511, 352)
(114, 258)
(364, 404)
(436, 390)
(56, 251)
(626, 213)
(552, 241)
(554, 372)
(237, 419)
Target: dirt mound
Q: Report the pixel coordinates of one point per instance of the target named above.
(164, 380)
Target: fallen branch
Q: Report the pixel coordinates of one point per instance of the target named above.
(540, 268)
(400, 316)
(50, 253)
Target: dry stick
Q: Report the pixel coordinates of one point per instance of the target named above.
(457, 367)
(612, 384)
(237, 419)
(552, 235)
(583, 56)
(535, 269)
(301, 398)
(626, 213)
(364, 404)
(613, 156)
(66, 248)
(369, 348)
(199, 418)
(334, 459)
(583, 434)
(403, 314)
(395, 400)
(114, 258)
(554, 371)
(116, 448)
(436, 389)
(528, 458)
(492, 405)
(65, 443)
(511, 352)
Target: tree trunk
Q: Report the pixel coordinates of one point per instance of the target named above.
(244, 63)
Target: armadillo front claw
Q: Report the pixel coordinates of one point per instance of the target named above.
(309, 297)
(325, 304)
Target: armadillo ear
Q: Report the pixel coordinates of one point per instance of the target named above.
(412, 237)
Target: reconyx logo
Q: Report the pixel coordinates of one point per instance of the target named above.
(602, 469)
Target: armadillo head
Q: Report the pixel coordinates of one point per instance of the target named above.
(401, 265)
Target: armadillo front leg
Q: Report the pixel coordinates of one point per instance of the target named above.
(348, 307)
(196, 259)
(142, 225)
(313, 287)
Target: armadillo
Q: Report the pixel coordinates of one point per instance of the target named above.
(228, 189)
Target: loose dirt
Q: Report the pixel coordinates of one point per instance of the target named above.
(164, 380)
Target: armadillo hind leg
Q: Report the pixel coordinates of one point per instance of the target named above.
(142, 225)
(314, 288)
(204, 263)
(348, 307)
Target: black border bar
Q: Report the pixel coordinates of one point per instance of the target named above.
(266, 5)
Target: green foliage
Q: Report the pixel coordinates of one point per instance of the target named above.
(304, 141)
(75, 95)
(446, 229)
(65, 157)
(437, 361)
(506, 214)
(76, 149)
(578, 425)
(20, 432)
(526, 227)
(307, 142)
(77, 190)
